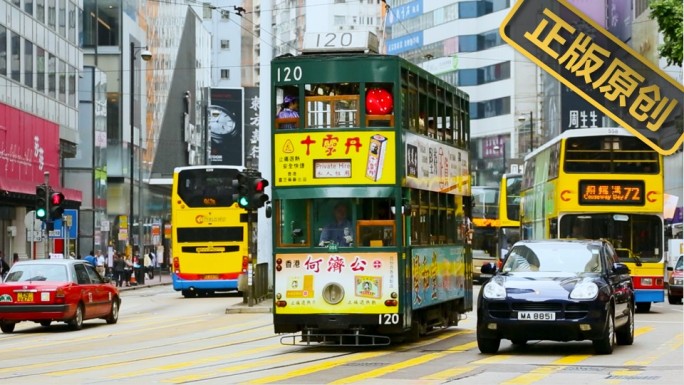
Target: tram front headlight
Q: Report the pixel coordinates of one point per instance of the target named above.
(333, 293)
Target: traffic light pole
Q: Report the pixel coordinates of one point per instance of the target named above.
(251, 251)
(46, 176)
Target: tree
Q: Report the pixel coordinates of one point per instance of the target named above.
(668, 15)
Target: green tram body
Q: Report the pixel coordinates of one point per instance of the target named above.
(405, 183)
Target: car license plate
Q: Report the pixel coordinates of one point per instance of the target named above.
(211, 276)
(536, 315)
(24, 297)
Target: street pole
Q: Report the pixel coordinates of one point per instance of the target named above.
(531, 131)
(132, 153)
(46, 180)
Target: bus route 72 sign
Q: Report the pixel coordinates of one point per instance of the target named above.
(600, 68)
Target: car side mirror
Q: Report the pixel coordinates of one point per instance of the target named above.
(488, 268)
(620, 268)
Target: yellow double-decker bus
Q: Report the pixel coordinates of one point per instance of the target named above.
(600, 183)
(209, 238)
(496, 221)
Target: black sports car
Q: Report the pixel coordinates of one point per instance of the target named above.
(560, 290)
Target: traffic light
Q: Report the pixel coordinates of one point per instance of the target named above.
(41, 202)
(258, 196)
(56, 205)
(240, 190)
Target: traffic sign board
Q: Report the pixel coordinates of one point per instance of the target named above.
(31, 222)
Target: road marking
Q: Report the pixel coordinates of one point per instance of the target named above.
(236, 367)
(453, 372)
(617, 376)
(128, 361)
(404, 364)
(354, 357)
(541, 373)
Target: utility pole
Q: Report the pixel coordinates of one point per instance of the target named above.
(46, 180)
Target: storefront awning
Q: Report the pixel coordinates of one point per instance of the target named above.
(29, 188)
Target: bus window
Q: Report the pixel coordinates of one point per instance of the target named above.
(293, 217)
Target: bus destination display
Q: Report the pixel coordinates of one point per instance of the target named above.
(600, 192)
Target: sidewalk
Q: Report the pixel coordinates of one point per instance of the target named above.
(159, 279)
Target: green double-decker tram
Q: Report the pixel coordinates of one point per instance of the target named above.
(371, 195)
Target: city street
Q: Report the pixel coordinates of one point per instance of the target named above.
(162, 337)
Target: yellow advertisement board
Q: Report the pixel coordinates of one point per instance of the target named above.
(335, 158)
(357, 283)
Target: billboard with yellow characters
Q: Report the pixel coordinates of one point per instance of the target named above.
(335, 158)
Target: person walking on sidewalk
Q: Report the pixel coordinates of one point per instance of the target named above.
(100, 263)
(128, 269)
(119, 269)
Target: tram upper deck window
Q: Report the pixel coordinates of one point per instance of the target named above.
(332, 105)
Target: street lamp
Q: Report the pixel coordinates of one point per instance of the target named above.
(501, 146)
(523, 118)
(146, 55)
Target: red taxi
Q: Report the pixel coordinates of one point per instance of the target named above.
(60, 290)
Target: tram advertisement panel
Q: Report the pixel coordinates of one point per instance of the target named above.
(336, 282)
(438, 275)
(335, 158)
(436, 167)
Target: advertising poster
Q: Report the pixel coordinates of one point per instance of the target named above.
(226, 128)
(335, 158)
(436, 167)
(438, 275)
(336, 282)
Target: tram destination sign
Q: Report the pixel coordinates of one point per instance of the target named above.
(611, 192)
(600, 68)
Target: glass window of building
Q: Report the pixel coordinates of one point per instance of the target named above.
(40, 10)
(28, 7)
(52, 14)
(61, 70)
(40, 69)
(72, 86)
(72, 22)
(3, 50)
(28, 63)
(225, 74)
(100, 24)
(15, 63)
(490, 108)
(62, 18)
(16, 3)
(52, 76)
(225, 44)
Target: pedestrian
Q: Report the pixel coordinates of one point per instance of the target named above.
(4, 267)
(119, 269)
(15, 258)
(138, 270)
(100, 263)
(90, 258)
(128, 269)
(147, 263)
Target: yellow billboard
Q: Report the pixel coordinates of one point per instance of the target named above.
(335, 158)
(600, 68)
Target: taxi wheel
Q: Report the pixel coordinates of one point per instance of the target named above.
(45, 323)
(113, 316)
(76, 323)
(7, 327)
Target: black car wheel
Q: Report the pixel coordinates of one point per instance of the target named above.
(673, 299)
(625, 335)
(519, 342)
(604, 345)
(113, 316)
(45, 323)
(76, 323)
(488, 345)
(643, 307)
(7, 327)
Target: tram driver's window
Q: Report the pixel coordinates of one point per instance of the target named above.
(293, 222)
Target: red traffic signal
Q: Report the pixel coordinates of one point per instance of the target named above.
(258, 197)
(56, 202)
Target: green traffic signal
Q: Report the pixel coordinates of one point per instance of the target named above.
(40, 212)
(243, 201)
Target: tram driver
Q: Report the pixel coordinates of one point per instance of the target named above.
(340, 231)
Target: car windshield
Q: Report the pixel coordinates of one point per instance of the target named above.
(553, 257)
(37, 272)
(679, 265)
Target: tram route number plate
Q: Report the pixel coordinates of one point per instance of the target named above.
(536, 315)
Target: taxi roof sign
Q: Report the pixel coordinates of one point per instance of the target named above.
(600, 68)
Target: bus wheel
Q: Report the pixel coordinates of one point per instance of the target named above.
(188, 293)
(643, 307)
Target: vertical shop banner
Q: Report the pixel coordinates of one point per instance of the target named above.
(226, 127)
(252, 124)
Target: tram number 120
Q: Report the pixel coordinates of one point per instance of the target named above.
(388, 319)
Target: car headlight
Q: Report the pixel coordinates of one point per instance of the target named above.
(678, 281)
(494, 290)
(584, 290)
